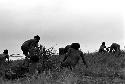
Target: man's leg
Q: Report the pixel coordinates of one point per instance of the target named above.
(33, 68)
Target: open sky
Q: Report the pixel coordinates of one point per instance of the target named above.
(62, 22)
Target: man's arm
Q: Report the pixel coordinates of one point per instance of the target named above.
(66, 55)
(82, 56)
(36, 45)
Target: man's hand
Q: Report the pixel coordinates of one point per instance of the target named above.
(28, 56)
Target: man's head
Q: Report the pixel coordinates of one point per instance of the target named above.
(37, 38)
(103, 43)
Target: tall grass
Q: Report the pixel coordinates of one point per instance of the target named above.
(103, 68)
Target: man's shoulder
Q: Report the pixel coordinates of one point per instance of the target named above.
(102, 46)
(30, 40)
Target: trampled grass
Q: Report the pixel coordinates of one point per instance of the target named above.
(103, 68)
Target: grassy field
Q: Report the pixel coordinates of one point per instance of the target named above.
(103, 68)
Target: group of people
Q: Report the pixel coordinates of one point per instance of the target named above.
(113, 48)
(71, 56)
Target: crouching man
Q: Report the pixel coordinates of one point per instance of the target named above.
(102, 48)
(114, 47)
(73, 56)
(29, 49)
(29, 44)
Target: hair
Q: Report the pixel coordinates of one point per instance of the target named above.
(37, 37)
(75, 46)
(5, 51)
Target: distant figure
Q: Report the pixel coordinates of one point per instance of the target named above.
(102, 48)
(114, 47)
(3, 58)
(29, 45)
(72, 56)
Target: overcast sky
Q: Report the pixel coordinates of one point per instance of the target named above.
(61, 22)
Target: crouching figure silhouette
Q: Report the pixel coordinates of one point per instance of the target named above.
(114, 47)
(73, 56)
